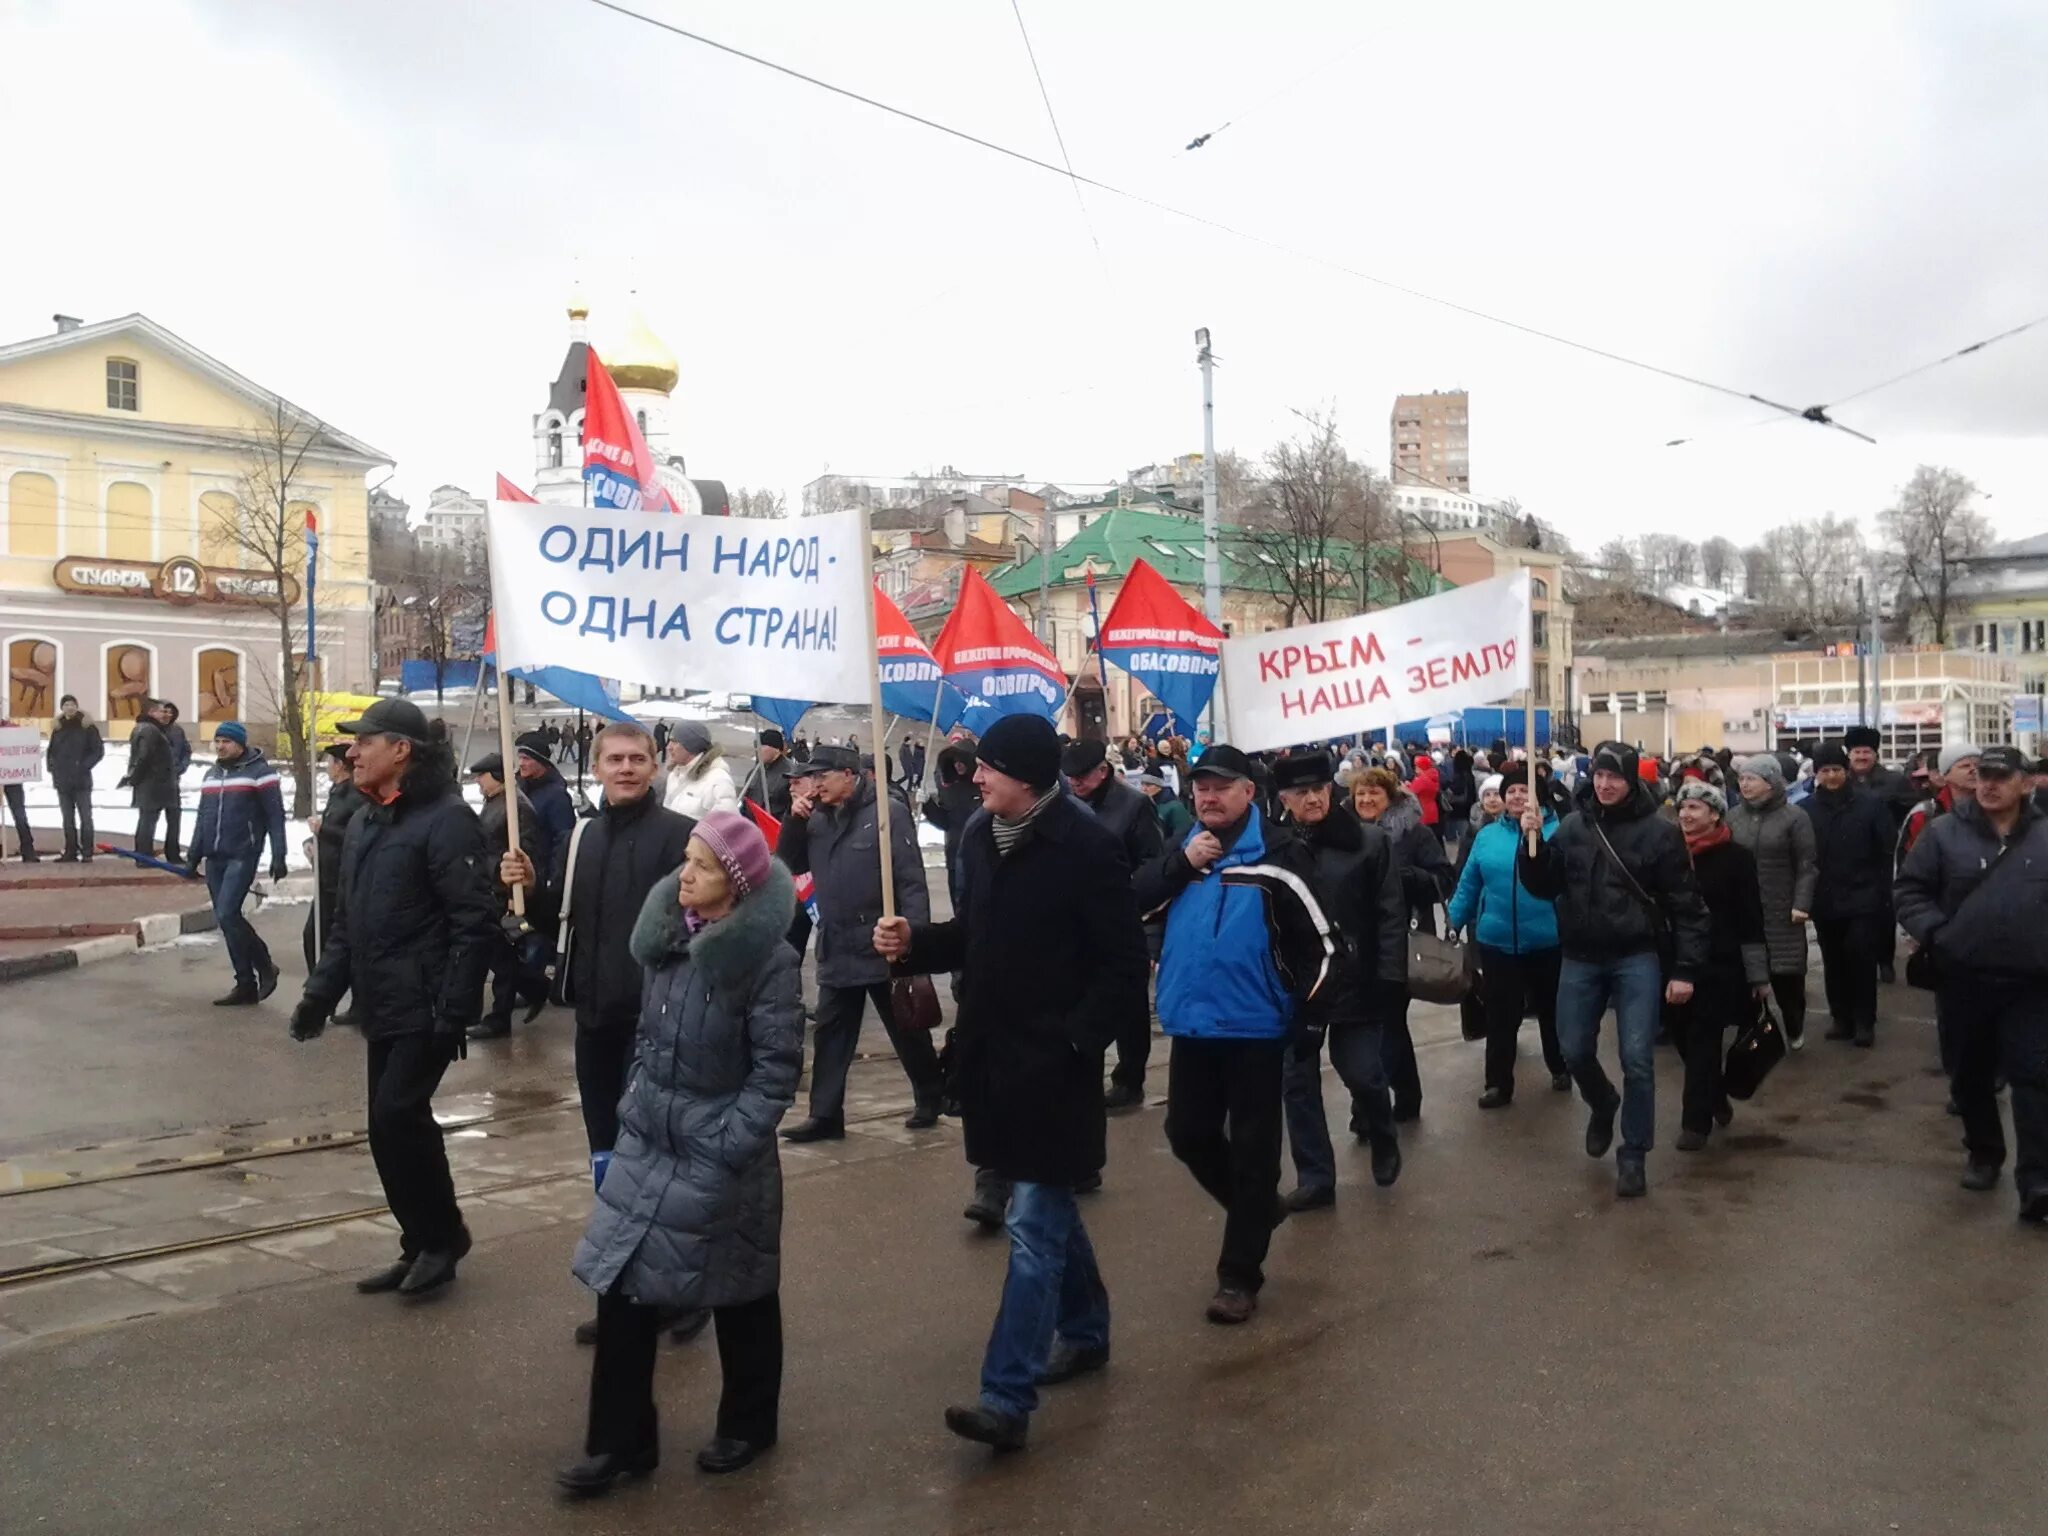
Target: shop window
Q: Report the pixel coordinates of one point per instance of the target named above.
(120, 384)
(127, 522)
(32, 515)
(219, 681)
(129, 669)
(31, 677)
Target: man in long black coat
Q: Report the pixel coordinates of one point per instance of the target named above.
(412, 938)
(1046, 935)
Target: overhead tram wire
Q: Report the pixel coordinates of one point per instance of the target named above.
(1818, 413)
(1017, 9)
(1201, 139)
(1081, 179)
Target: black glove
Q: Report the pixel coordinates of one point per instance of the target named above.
(453, 1032)
(308, 1019)
(279, 869)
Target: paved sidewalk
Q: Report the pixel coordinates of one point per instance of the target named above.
(51, 913)
(1806, 1328)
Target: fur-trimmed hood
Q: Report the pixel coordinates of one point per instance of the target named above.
(732, 949)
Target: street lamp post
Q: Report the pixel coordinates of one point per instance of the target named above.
(1212, 565)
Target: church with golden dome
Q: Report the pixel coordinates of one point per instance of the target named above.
(646, 372)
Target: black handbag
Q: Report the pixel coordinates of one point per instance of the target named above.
(1759, 1046)
(1472, 1006)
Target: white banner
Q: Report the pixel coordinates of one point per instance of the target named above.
(21, 755)
(742, 605)
(1430, 657)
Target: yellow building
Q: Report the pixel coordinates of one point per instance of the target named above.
(125, 453)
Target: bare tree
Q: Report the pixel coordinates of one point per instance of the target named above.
(1929, 531)
(447, 586)
(1316, 541)
(761, 503)
(1719, 559)
(267, 530)
(1818, 561)
(1760, 581)
(1616, 563)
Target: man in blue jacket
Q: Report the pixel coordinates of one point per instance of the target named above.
(1247, 955)
(240, 808)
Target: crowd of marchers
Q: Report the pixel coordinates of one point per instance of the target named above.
(1264, 908)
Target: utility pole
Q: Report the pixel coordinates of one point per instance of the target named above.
(1212, 565)
(1862, 658)
(1045, 575)
(1876, 651)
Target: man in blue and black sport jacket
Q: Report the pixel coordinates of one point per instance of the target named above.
(1247, 958)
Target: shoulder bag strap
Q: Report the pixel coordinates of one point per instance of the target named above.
(569, 886)
(1635, 885)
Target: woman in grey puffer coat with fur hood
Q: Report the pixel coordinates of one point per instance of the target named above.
(1780, 838)
(690, 1211)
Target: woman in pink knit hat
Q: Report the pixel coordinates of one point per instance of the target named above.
(690, 1211)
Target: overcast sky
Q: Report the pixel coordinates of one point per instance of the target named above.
(379, 209)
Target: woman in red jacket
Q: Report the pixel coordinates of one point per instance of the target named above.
(1427, 785)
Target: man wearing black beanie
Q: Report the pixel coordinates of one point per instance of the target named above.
(1852, 914)
(1046, 939)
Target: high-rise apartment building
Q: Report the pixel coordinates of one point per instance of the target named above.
(1429, 440)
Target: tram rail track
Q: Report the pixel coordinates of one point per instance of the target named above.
(53, 1269)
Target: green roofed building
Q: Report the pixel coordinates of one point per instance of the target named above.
(1272, 579)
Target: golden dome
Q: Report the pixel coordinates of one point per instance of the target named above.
(639, 359)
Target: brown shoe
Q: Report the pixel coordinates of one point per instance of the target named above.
(1230, 1306)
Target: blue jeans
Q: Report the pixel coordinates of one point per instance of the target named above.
(1053, 1288)
(228, 882)
(1634, 984)
(1355, 1052)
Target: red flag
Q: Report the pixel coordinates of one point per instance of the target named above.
(507, 491)
(771, 829)
(986, 652)
(616, 464)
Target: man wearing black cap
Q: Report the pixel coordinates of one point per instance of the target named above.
(831, 834)
(768, 782)
(413, 932)
(1974, 894)
(554, 813)
(1128, 815)
(1622, 879)
(511, 980)
(1362, 891)
(1853, 839)
(1243, 970)
(1045, 935)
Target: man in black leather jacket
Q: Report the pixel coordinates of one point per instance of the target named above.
(1621, 878)
(1359, 877)
(412, 938)
(1973, 894)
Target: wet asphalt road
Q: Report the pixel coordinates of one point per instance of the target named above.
(1807, 1328)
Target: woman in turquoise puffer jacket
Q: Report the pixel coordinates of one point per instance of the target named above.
(1518, 946)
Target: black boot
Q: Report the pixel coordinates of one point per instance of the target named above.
(387, 1279)
(595, 1475)
(726, 1454)
(815, 1129)
(1123, 1096)
(244, 996)
(266, 980)
(991, 1198)
(1386, 1160)
(1003, 1431)
(435, 1267)
(492, 1026)
(924, 1113)
(1600, 1129)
